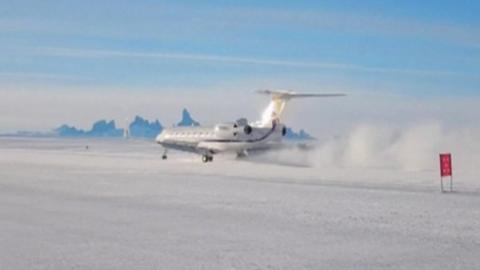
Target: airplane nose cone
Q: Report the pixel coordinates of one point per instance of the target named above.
(160, 137)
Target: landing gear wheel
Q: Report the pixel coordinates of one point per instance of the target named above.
(164, 157)
(242, 154)
(206, 158)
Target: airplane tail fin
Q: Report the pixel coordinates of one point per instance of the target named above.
(280, 98)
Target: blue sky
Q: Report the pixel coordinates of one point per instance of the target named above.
(413, 49)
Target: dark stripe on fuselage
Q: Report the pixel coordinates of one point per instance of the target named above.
(270, 132)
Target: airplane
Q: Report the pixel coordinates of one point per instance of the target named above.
(240, 137)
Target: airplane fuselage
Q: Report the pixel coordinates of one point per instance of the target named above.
(226, 137)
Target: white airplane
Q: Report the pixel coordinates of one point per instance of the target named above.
(239, 137)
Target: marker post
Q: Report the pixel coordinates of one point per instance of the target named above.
(446, 170)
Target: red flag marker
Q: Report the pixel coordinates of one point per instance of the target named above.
(446, 169)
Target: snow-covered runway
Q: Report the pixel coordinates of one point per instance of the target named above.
(117, 205)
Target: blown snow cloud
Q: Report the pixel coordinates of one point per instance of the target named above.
(376, 152)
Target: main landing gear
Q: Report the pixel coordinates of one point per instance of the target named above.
(207, 158)
(164, 156)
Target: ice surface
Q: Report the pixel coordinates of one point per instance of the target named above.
(117, 205)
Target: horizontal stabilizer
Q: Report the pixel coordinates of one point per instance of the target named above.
(279, 94)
